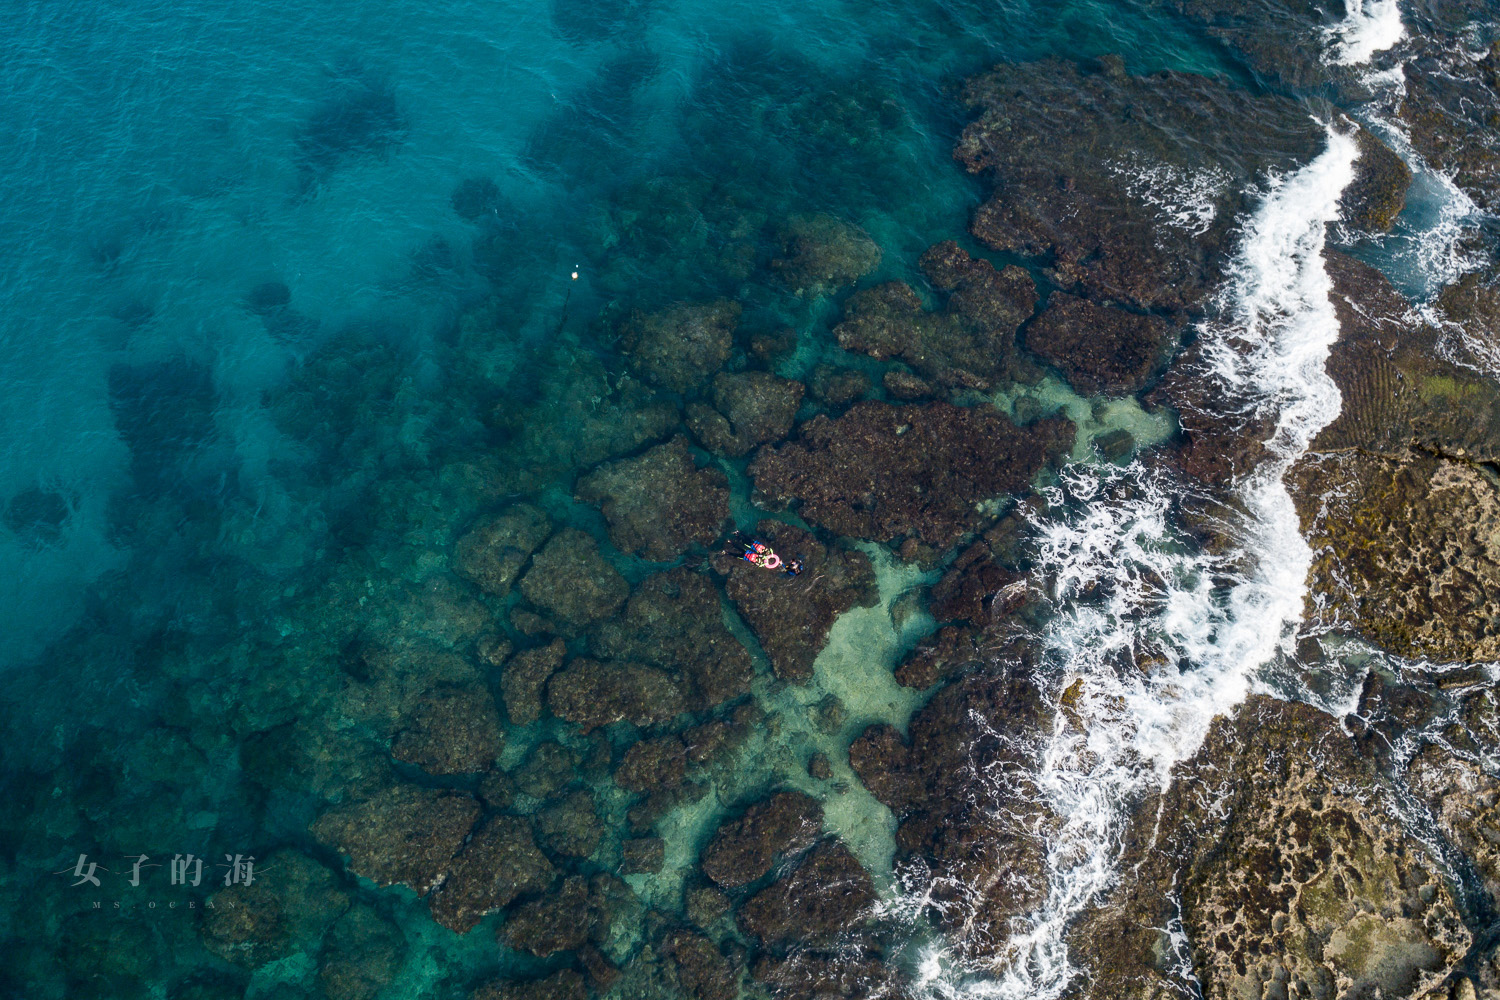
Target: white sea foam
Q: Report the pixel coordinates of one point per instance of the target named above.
(1367, 28)
(1185, 199)
(1155, 636)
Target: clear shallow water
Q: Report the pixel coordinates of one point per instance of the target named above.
(176, 162)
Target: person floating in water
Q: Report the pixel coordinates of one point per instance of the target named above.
(758, 553)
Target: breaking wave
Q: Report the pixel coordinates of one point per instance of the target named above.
(1156, 635)
(1367, 28)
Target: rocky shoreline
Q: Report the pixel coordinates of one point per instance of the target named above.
(549, 714)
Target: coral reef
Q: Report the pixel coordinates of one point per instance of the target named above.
(744, 849)
(672, 622)
(821, 254)
(570, 580)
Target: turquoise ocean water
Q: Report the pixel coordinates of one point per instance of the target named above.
(270, 269)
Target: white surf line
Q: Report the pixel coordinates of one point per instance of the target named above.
(1178, 634)
(1367, 28)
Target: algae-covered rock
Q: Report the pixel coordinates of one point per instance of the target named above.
(701, 970)
(1377, 193)
(938, 657)
(883, 471)
(821, 254)
(363, 953)
(572, 581)
(557, 922)
(499, 864)
(1099, 348)
(1091, 165)
(828, 895)
(565, 984)
(969, 343)
(453, 730)
(749, 409)
(592, 694)
(744, 849)
(579, 415)
(838, 386)
(679, 347)
(1451, 107)
(403, 834)
(493, 554)
(1408, 552)
(548, 769)
(969, 833)
(791, 616)
(524, 678)
(659, 503)
(653, 764)
(672, 621)
(285, 909)
(571, 826)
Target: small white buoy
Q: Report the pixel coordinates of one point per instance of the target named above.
(575, 275)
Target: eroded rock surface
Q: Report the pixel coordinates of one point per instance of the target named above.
(1293, 880)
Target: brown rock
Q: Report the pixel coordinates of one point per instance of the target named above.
(791, 616)
(881, 471)
(744, 849)
(594, 694)
(524, 678)
(827, 895)
(403, 834)
(680, 346)
(572, 581)
(749, 409)
(454, 730)
(673, 622)
(660, 503)
(493, 554)
(500, 864)
(1100, 349)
